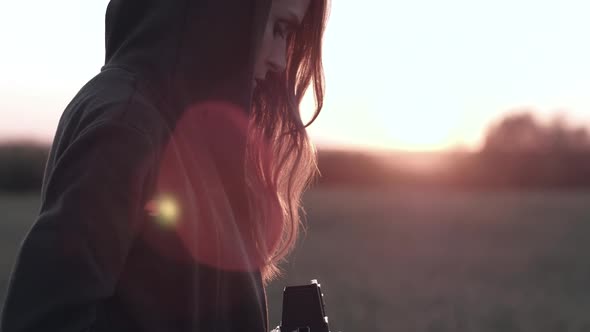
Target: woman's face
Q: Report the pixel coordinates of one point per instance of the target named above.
(284, 18)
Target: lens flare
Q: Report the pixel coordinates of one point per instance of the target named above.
(203, 202)
(165, 209)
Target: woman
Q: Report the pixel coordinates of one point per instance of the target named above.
(174, 180)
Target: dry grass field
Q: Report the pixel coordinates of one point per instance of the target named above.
(412, 260)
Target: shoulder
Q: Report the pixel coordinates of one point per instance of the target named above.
(112, 98)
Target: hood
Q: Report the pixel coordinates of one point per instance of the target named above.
(188, 51)
(196, 58)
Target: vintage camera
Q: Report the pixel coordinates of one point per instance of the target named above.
(303, 309)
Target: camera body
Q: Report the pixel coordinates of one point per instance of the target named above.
(303, 309)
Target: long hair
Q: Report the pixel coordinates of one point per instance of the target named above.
(281, 162)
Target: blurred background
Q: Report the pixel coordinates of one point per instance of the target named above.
(453, 146)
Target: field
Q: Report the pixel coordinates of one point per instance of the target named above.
(411, 260)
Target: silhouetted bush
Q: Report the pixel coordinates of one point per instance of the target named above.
(22, 166)
(352, 168)
(519, 152)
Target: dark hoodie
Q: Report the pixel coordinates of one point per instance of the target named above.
(99, 257)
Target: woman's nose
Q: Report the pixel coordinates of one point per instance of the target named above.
(277, 62)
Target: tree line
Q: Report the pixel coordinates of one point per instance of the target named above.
(518, 152)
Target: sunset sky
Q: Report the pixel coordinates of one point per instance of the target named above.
(411, 75)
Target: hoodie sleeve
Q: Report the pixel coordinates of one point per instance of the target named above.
(70, 259)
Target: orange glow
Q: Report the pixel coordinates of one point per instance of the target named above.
(165, 209)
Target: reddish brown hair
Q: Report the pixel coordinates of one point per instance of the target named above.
(287, 163)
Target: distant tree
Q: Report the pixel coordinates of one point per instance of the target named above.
(22, 166)
(352, 168)
(521, 152)
(515, 133)
(521, 132)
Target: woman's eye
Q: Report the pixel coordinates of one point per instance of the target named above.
(280, 30)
